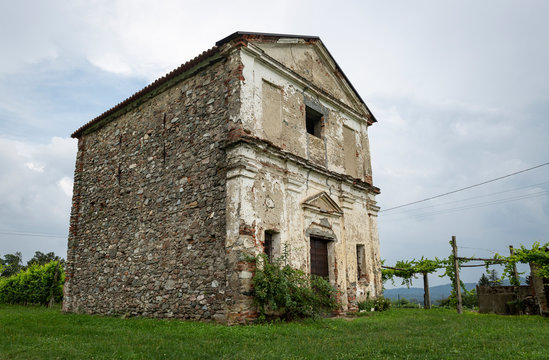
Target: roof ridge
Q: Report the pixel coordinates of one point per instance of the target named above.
(260, 34)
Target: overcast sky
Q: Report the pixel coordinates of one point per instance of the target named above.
(460, 90)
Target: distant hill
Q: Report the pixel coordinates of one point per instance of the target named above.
(415, 294)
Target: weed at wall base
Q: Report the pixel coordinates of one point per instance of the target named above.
(283, 292)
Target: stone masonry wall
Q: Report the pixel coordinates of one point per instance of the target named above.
(147, 230)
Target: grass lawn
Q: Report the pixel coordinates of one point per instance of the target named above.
(41, 333)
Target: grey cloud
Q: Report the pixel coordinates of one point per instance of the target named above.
(424, 149)
(32, 199)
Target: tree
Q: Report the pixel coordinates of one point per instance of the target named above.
(40, 258)
(483, 281)
(493, 278)
(12, 264)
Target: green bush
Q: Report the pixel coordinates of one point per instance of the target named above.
(33, 285)
(379, 304)
(469, 300)
(281, 291)
(404, 303)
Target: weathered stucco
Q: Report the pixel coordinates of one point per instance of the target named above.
(283, 166)
(311, 62)
(270, 192)
(175, 190)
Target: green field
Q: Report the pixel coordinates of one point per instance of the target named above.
(41, 333)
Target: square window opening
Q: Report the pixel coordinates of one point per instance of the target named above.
(313, 122)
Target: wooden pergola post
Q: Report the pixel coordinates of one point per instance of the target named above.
(456, 269)
(515, 273)
(426, 294)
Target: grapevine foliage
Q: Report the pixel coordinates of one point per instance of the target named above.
(537, 255)
(408, 269)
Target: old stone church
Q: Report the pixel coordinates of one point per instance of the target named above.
(256, 145)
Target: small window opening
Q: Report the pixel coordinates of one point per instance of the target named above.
(313, 121)
(268, 245)
(360, 262)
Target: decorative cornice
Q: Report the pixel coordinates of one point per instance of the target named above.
(309, 204)
(284, 155)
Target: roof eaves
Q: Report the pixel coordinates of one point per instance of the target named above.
(155, 85)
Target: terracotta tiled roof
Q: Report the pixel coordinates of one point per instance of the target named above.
(256, 35)
(157, 83)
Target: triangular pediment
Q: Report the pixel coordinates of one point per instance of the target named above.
(322, 202)
(312, 61)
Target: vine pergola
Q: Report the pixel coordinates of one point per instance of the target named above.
(538, 255)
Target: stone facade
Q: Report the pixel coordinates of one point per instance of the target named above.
(175, 186)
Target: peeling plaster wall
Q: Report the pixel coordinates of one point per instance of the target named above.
(270, 189)
(267, 192)
(264, 88)
(311, 62)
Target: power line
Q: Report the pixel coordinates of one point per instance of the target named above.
(466, 199)
(474, 206)
(467, 187)
(477, 205)
(32, 234)
(474, 248)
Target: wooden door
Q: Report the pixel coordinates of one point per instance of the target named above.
(319, 257)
